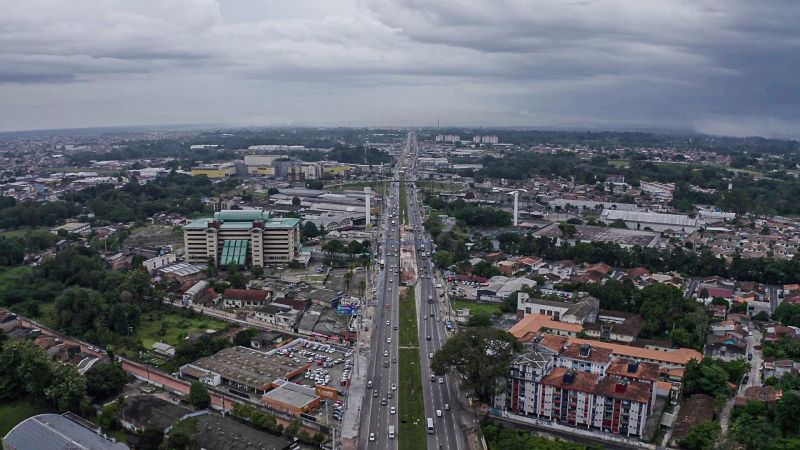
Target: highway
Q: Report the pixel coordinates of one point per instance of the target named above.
(440, 394)
(382, 372)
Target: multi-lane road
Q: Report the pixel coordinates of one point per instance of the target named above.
(440, 392)
(382, 372)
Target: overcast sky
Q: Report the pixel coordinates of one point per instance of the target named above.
(715, 66)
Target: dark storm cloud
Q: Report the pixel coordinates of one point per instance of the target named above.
(718, 66)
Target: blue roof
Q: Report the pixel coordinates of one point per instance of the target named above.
(55, 432)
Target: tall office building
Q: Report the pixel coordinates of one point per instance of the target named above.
(244, 237)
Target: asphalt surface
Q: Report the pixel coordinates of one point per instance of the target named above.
(376, 418)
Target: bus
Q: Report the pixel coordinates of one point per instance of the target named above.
(382, 262)
(430, 426)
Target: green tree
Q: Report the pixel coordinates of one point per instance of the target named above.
(11, 252)
(309, 230)
(244, 337)
(105, 379)
(485, 269)
(151, 439)
(333, 246)
(787, 411)
(67, 387)
(257, 271)
(353, 247)
(706, 377)
(481, 355)
(183, 435)
(443, 259)
(702, 436)
(107, 419)
(199, 396)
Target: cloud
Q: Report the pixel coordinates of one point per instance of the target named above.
(677, 63)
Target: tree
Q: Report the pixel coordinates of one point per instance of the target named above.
(706, 377)
(702, 436)
(293, 428)
(333, 246)
(67, 387)
(199, 396)
(244, 337)
(315, 184)
(481, 355)
(105, 379)
(485, 269)
(480, 319)
(353, 247)
(11, 252)
(443, 259)
(295, 201)
(568, 230)
(787, 410)
(107, 419)
(257, 271)
(183, 434)
(309, 230)
(151, 439)
(763, 316)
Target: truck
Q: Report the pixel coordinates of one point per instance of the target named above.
(391, 431)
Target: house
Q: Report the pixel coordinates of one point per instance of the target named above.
(193, 292)
(780, 368)
(727, 347)
(142, 412)
(245, 298)
(164, 349)
(582, 311)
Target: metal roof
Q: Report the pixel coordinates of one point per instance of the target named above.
(56, 432)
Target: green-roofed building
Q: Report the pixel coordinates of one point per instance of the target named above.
(243, 237)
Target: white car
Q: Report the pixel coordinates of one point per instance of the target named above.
(387, 323)
(372, 437)
(392, 410)
(438, 413)
(389, 340)
(394, 387)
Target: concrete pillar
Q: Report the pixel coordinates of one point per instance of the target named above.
(367, 192)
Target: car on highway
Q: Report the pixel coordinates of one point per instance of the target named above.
(388, 340)
(433, 377)
(394, 387)
(394, 327)
(438, 413)
(430, 355)
(372, 437)
(447, 407)
(375, 393)
(428, 337)
(441, 380)
(387, 323)
(369, 384)
(392, 410)
(386, 353)
(383, 401)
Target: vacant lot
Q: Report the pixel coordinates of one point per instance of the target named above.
(15, 412)
(172, 327)
(155, 236)
(477, 308)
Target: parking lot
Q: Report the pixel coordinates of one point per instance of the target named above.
(330, 366)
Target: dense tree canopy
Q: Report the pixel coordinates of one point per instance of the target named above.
(481, 355)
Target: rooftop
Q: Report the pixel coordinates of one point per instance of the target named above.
(152, 412)
(292, 394)
(563, 378)
(53, 431)
(217, 433)
(248, 367)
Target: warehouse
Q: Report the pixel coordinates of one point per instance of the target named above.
(634, 220)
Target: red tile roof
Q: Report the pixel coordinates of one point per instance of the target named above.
(635, 391)
(580, 381)
(587, 352)
(246, 294)
(644, 370)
